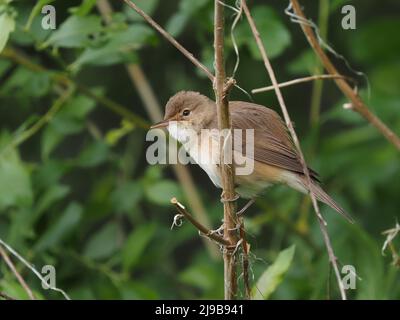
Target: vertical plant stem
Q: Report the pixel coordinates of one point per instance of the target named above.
(316, 94)
(227, 171)
(296, 142)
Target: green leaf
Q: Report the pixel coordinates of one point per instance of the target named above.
(61, 228)
(161, 192)
(69, 120)
(119, 48)
(114, 135)
(135, 245)
(84, 8)
(274, 34)
(177, 23)
(274, 274)
(49, 197)
(369, 46)
(147, 6)
(7, 25)
(93, 155)
(137, 290)
(305, 63)
(199, 275)
(50, 139)
(15, 183)
(103, 243)
(27, 83)
(126, 196)
(75, 32)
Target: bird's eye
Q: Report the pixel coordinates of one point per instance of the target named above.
(186, 112)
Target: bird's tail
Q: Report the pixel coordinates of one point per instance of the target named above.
(322, 196)
(299, 183)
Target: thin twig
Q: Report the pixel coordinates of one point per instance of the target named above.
(300, 80)
(318, 86)
(221, 88)
(358, 104)
(289, 124)
(204, 230)
(14, 270)
(171, 39)
(153, 108)
(32, 268)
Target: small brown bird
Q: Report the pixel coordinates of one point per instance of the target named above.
(276, 160)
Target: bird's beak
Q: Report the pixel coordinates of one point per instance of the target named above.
(161, 124)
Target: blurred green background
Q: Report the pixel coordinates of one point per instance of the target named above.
(76, 191)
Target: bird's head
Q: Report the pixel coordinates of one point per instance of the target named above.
(187, 110)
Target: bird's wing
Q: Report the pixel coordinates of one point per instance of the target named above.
(272, 143)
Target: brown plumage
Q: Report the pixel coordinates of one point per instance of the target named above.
(275, 158)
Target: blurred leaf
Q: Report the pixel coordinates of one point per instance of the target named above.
(147, 6)
(7, 25)
(177, 23)
(368, 45)
(126, 196)
(49, 197)
(137, 290)
(199, 275)
(93, 155)
(15, 184)
(385, 79)
(4, 66)
(335, 4)
(14, 290)
(135, 245)
(114, 135)
(26, 82)
(103, 243)
(84, 8)
(273, 276)
(118, 49)
(304, 63)
(161, 192)
(274, 34)
(60, 228)
(75, 32)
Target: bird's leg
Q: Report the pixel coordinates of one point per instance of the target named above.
(247, 205)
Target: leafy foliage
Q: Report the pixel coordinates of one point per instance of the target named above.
(78, 193)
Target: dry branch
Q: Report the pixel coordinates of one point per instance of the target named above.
(14, 270)
(358, 104)
(289, 124)
(204, 230)
(300, 80)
